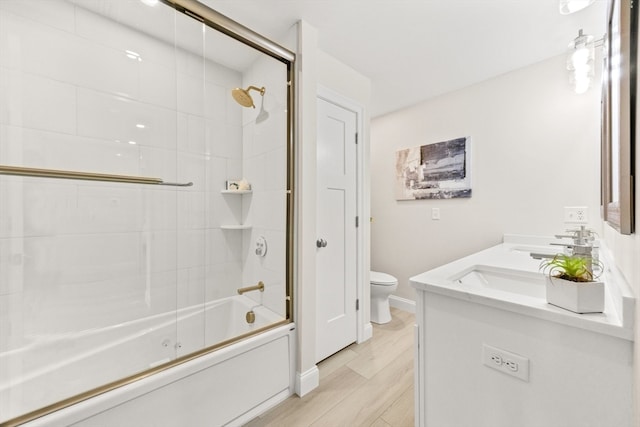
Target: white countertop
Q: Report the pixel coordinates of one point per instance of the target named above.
(513, 257)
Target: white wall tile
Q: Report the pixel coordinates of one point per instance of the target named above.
(80, 208)
(268, 210)
(220, 75)
(160, 251)
(158, 84)
(234, 168)
(192, 210)
(192, 168)
(43, 149)
(161, 289)
(11, 212)
(11, 266)
(11, 327)
(53, 14)
(138, 36)
(215, 102)
(52, 261)
(190, 95)
(160, 209)
(36, 102)
(159, 163)
(217, 247)
(105, 69)
(191, 248)
(196, 134)
(276, 178)
(116, 118)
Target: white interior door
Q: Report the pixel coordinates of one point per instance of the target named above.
(336, 227)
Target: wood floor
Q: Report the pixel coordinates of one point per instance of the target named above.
(369, 384)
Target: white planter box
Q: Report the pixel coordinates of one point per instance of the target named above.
(579, 297)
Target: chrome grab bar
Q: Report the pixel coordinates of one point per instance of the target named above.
(258, 287)
(85, 176)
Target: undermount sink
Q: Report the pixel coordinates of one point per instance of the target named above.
(514, 281)
(546, 250)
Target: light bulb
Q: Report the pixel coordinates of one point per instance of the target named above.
(581, 83)
(580, 57)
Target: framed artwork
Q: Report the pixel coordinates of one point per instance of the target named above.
(441, 170)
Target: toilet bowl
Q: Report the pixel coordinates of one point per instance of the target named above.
(382, 285)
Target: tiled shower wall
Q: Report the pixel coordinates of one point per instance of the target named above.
(82, 92)
(265, 166)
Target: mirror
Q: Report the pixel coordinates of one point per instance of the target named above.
(618, 116)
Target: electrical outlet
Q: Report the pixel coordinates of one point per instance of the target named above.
(511, 365)
(575, 215)
(506, 362)
(435, 213)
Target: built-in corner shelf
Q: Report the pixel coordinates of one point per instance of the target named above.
(236, 227)
(235, 191)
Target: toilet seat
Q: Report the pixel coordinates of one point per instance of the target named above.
(382, 279)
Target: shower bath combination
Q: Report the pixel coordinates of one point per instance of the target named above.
(141, 251)
(243, 98)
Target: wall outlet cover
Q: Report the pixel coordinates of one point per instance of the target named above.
(506, 362)
(576, 214)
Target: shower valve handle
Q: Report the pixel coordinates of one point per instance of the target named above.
(321, 243)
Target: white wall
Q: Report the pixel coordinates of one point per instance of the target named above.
(316, 68)
(534, 150)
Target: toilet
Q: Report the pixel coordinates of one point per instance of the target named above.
(382, 285)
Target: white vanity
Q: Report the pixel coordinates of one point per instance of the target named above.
(491, 352)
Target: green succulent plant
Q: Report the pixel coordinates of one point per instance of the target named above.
(568, 267)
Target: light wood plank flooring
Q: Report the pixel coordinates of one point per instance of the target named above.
(369, 384)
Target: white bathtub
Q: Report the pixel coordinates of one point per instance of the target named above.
(94, 358)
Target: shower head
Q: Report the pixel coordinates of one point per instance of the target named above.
(242, 96)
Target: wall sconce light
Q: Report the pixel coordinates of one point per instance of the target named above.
(580, 60)
(570, 6)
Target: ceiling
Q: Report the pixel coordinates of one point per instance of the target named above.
(414, 50)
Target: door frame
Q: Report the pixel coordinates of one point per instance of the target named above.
(364, 329)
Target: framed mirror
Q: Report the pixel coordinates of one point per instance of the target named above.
(619, 115)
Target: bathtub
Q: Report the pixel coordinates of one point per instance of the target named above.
(207, 387)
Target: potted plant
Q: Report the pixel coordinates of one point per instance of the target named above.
(571, 285)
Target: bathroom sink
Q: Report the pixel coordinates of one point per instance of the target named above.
(501, 279)
(546, 250)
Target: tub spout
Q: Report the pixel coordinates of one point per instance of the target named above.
(258, 287)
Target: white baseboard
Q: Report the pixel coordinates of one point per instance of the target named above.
(367, 333)
(307, 381)
(402, 303)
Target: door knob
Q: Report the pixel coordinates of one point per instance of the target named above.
(321, 243)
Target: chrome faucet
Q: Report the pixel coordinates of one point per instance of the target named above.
(581, 237)
(582, 245)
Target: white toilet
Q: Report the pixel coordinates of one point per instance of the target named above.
(382, 285)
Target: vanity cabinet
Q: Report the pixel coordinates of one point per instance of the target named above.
(489, 357)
